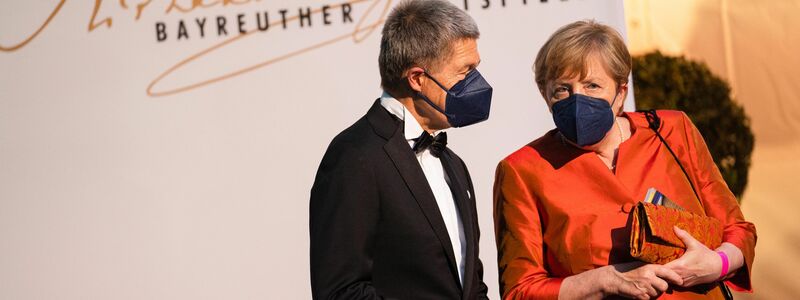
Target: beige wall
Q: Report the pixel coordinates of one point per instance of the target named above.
(755, 45)
(137, 169)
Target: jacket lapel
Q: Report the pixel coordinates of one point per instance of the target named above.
(407, 165)
(461, 194)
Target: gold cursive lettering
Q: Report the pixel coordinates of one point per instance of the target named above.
(140, 7)
(359, 34)
(362, 30)
(35, 33)
(94, 22)
(203, 4)
(106, 21)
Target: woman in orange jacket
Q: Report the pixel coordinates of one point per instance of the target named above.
(562, 202)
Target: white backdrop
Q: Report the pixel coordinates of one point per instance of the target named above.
(144, 160)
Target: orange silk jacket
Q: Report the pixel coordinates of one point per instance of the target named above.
(559, 210)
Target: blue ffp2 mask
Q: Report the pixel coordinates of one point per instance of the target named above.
(582, 119)
(468, 101)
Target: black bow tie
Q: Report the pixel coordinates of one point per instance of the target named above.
(436, 144)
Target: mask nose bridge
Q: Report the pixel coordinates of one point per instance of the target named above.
(574, 92)
(577, 89)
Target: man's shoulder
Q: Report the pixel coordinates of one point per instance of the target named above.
(357, 140)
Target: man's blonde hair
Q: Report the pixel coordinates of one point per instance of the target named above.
(569, 48)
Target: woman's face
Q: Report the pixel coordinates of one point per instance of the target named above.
(598, 83)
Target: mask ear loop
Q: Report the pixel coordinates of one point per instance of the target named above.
(436, 81)
(436, 107)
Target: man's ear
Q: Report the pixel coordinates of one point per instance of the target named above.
(415, 77)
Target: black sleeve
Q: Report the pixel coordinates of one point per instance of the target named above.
(483, 290)
(342, 221)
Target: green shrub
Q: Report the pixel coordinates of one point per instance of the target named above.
(667, 82)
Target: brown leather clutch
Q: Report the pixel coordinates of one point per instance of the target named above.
(653, 239)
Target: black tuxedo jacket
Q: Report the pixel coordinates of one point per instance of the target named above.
(376, 230)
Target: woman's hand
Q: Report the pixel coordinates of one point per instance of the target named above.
(699, 264)
(634, 280)
(649, 280)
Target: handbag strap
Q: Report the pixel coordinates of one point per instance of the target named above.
(654, 122)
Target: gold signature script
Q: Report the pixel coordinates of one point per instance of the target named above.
(362, 30)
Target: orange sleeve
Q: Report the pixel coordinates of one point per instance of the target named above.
(720, 203)
(520, 246)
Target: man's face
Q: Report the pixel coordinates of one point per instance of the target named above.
(463, 59)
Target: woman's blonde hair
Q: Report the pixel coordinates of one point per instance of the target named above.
(568, 49)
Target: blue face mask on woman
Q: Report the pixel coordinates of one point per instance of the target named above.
(582, 119)
(468, 101)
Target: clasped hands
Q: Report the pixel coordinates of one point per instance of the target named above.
(638, 280)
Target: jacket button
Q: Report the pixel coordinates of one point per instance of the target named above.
(626, 208)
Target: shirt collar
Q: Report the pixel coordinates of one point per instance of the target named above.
(412, 129)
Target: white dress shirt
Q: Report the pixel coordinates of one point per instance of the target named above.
(434, 173)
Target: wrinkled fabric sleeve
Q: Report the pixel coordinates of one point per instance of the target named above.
(720, 203)
(518, 229)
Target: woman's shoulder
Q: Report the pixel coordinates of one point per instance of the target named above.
(531, 152)
(664, 114)
(672, 117)
(669, 119)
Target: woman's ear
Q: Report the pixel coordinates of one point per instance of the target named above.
(542, 89)
(414, 75)
(543, 92)
(623, 89)
(622, 94)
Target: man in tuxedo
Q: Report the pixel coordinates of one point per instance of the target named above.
(392, 212)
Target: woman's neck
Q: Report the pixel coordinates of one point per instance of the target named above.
(608, 148)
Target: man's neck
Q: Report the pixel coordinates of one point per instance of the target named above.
(415, 107)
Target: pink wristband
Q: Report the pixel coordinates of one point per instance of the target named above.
(724, 258)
